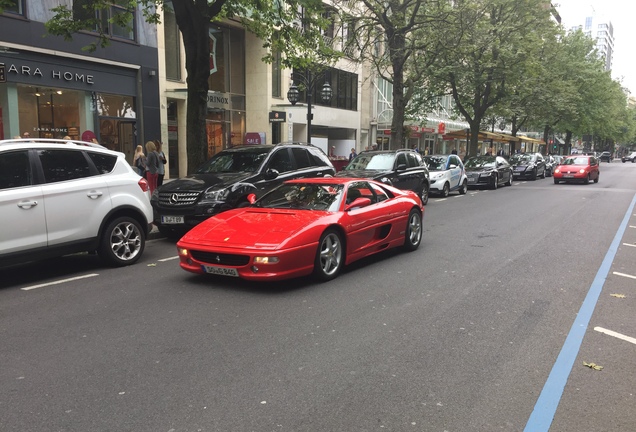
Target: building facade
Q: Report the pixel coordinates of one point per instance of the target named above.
(52, 88)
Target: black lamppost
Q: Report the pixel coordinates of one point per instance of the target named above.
(293, 94)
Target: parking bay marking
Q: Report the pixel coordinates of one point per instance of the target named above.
(169, 259)
(32, 287)
(616, 335)
(624, 275)
(550, 397)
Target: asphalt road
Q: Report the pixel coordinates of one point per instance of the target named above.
(510, 292)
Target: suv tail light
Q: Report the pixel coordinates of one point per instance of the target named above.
(143, 184)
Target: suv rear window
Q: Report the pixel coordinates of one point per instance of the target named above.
(302, 157)
(104, 163)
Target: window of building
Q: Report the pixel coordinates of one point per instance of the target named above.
(49, 112)
(14, 7)
(343, 84)
(172, 43)
(117, 20)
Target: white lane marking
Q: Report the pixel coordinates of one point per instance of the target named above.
(169, 259)
(616, 335)
(632, 226)
(32, 287)
(624, 275)
(440, 200)
(629, 244)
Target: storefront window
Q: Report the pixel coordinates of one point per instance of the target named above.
(14, 7)
(172, 42)
(49, 112)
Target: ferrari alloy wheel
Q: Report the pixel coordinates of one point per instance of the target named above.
(413, 234)
(424, 194)
(446, 190)
(122, 242)
(463, 188)
(330, 256)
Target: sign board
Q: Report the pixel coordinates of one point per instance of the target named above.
(254, 138)
(441, 128)
(428, 130)
(277, 116)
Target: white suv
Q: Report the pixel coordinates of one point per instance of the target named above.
(59, 197)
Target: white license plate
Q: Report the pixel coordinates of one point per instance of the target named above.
(472, 180)
(222, 271)
(171, 220)
(568, 176)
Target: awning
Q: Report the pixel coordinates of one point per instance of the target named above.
(530, 140)
(483, 136)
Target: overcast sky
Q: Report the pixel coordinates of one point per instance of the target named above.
(622, 14)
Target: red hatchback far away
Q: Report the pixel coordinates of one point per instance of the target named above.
(577, 168)
(302, 227)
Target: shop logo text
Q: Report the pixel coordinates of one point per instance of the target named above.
(55, 74)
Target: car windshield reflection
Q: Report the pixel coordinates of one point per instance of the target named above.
(576, 161)
(436, 163)
(378, 161)
(303, 196)
(234, 161)
(521, 158)
(481, 162)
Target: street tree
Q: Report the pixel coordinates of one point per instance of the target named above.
(496, 46)
(389, 35)
(293, 27)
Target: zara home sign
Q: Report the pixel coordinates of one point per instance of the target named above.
(67, 76)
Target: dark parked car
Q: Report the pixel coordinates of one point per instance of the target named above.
(527, 165)
(488, 171)
(226, 179)
(605, 157)
(629, 157)
(403, 169)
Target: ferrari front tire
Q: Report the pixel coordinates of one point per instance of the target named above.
(329, 256)
(413, 233)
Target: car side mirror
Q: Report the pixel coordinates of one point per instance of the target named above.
(452, 166)
(271, 174)
(401, 167)
(358, 202)
(251, 198)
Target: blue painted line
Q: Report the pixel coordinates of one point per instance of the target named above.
(546, 406)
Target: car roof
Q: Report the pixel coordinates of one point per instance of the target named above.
(22, 143)
(244, 147)
(387, 151)
(328, 180)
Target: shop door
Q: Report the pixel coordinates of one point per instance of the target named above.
(127, 136)
(216, 137)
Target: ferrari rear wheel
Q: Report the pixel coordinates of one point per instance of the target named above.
(329, 256)
(413, 234)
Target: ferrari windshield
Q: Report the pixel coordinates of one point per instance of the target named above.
(436, 163)
(480, 162)
(304, 196)
(234, 161)
(372, 161)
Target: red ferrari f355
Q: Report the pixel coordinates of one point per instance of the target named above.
(304, 226)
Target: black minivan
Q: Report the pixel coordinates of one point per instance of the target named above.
(226, 179)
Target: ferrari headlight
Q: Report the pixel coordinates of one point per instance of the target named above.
(265, 260)
(217, 195)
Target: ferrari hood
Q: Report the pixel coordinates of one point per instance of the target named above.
(251, 228)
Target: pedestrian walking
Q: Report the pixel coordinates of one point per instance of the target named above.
(139, 161)
(352, 154)
(162, 162)
(152, 165)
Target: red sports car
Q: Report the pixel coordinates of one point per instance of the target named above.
(302, 227)
(581, 168)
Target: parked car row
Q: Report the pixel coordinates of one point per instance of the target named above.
(255, 211)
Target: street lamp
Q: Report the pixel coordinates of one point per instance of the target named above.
(293, 95)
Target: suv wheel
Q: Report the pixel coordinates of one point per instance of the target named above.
(122, 242)
(424, 194)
